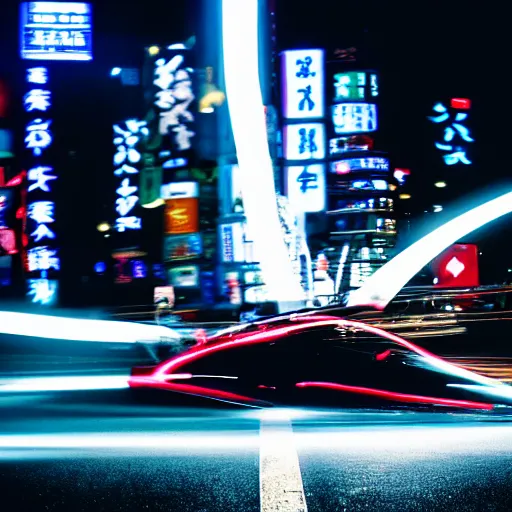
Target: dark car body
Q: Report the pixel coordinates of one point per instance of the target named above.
(321, 361)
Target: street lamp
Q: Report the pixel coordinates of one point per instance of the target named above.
(440, 184)
(103, 227)
(404, 196)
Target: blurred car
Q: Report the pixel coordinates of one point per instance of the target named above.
(301, 360)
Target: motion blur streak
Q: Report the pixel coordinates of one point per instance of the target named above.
(502, 392)
(398, 397)
(399, 439)
(272, 334)
(380, 289)
(76, 329)
(245, 103)
(123, 441)
(63, 383)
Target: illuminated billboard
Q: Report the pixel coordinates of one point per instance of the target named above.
(303, 84)
(354, 118)
(56, 31)
(43, 258)
(369, 163)
(359, 185)
(355, 86)
(456, 135)
(127, 162)
(304, 141)
(349, 144)
(457, 267)
(306, 187)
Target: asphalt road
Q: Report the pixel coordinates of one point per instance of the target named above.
(110, 451)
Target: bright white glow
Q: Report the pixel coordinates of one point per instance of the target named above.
(341, 267)
(388, 280)
(499, 392)
(99, 382)
(240, 43)
(43, 326)
(115, 71)
(303, 84)
(121, 440)
(306, 188)
(305, 141)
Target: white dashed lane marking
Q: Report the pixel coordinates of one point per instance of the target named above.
(281, 488)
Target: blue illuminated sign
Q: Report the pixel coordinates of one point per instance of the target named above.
(127, 161)
(456, 136)
(371, 163)
(42, 253)
(354, 118)
(56, 31)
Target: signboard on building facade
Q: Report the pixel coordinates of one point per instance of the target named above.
(304, 141)
(173, 100)
(43, 260)
(306, 187)
(455, 137)
(303, 84)
(127, 165)
(56, 31)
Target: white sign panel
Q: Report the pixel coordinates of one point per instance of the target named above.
(303, 84)
(354, 117)
(180, 190)
(306, 187)
(304, 141)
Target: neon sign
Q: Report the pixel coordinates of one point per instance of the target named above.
(173, 97)
(42, 252)
(127, 158)
(354, 118)
(456, 136)
(355, 85)
(306, 187)
(303, 84)
(371, 163)
(305, 141)
(56, 31)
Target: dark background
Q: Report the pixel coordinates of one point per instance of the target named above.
(424, 51)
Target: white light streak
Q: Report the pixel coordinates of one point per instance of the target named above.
(386, 282)
(42, 326)
(240, 44)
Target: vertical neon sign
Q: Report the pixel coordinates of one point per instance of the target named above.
(43, 261)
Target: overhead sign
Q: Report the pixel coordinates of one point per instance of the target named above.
(303, 84)
(56, 31)
(304, 141)
(306, 187)
(354, 118)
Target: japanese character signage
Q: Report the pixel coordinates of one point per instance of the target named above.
(369, 163)
(56, 31)
(455, 136)
(174, 100)
(351, 118)
(182, 216)
(304, 141)
(42, 254)
(355, 86)
(303, 84)
(349, 144)
(127, 161)
(306, 187)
